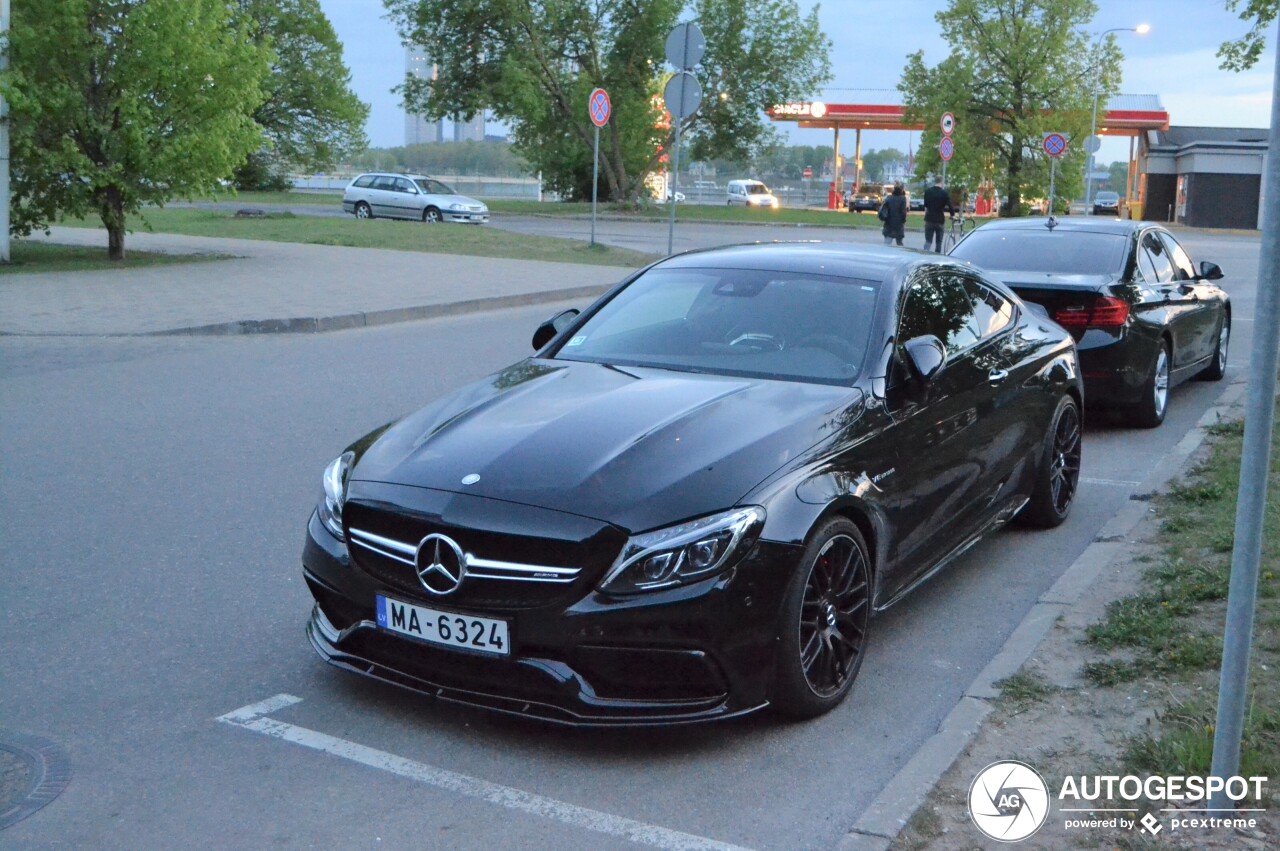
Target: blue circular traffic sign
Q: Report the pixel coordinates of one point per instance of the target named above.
(599, 107)
(946, 148)
(1055, 144)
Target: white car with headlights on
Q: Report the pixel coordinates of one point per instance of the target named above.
(410, 196)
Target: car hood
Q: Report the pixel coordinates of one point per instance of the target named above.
(636, 447)
(445, 201)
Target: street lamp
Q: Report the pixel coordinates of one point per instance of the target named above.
(1140, 29)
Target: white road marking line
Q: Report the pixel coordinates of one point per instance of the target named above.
(252, 717)
(1119, 483)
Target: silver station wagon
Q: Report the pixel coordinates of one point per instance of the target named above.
(410, 196)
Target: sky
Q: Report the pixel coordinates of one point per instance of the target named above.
(872, 38)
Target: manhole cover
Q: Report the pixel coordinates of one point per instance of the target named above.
(33, 771)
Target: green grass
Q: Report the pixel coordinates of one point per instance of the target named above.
(693, 213)
(248, 199)
(1024, 689)
(48, 257)
(381, 233)
(1161, 630)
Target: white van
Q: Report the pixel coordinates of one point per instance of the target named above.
(750, 193)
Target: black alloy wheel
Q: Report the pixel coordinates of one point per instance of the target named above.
(431, 215)
(1217, 367)
(1058, 477)
(363, 211)
(823, 631)
(1150, 410)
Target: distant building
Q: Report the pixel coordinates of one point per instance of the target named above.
(469, 131)
(418, 130)
(1203, 176)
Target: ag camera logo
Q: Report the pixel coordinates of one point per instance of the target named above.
(1008, 801)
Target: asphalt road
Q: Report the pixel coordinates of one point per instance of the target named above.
(154, 498)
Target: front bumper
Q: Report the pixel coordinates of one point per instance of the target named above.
(696, 653)
(467, 218)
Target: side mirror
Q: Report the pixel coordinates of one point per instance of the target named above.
(926, 356)
(548, 330)
(1210, 271)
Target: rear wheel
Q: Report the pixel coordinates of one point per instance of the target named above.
(431, 215)
(1059, 472)
(1217, 367)
(363, 211)
(823, 626)
(1150, 410)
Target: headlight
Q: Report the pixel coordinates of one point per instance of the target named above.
(335, 493)
(684, 553)
(455, 207)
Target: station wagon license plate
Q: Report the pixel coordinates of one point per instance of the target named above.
(450, 629)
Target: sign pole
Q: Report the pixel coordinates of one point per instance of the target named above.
(1053, 172)
(595, 183)
(682, 96)
(675, 180)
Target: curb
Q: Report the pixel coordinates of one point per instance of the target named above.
(886, 816)
(344, 321)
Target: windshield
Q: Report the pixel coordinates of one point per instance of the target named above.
(433, 187)
(754, 323)
(757, 189)
(1058, 251)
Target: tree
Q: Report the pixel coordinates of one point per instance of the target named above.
(1017, 69)
(309, 116)
(533, 63)
(1243, 53)
(119, 103)
(1118, 174)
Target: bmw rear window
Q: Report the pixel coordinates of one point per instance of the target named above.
(1060, 252)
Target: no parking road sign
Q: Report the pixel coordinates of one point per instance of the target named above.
(946, 148)
(1055, 144)
(599, 107)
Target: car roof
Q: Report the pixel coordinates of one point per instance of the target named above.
(845, 260)
(1070, 224)
(409, 175)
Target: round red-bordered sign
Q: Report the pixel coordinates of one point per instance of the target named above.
(599, 107)
(946, 148)
(1055, 144)
(948, 123)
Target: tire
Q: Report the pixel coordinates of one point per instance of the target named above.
(822, 630)
(1058, 476)
(363, 211)
(1217, 367)
(1150, 410)
(431, 215)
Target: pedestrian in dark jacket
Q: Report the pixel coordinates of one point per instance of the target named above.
(937, 202)
(894, 215)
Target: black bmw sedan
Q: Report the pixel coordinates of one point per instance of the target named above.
(687, 504)
(1144, 317)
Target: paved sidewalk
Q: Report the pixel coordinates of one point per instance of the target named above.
(275, 287)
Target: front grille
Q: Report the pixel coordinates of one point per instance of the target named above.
(513, 562)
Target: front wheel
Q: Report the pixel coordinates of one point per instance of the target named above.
(1058, 475)
(1150, 410)
(363, 211)
(823, 625)
(431, 215)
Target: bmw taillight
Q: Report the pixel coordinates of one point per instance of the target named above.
(1106, 312)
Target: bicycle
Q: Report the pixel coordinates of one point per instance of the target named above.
(960, 225)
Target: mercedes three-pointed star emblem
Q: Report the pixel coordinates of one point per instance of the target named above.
(446, 568)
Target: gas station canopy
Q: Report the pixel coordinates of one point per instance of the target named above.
(881, 109)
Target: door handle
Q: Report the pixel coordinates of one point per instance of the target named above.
(995, 376)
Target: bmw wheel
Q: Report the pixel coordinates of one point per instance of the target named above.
(1059, 473)
(1217, 367)
(363, 211)
(431, 215)
(1150, 410)
(823, 629)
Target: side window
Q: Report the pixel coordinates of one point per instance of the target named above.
(1157, 256)
(992, 311)
(940, 304)
(384, 182)
(1184, 271)
(364, 181)
(403, 185)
